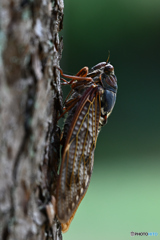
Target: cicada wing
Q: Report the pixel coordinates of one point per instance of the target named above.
(78, 155)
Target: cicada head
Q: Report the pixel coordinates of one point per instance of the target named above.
(109, 79)
(109, 84)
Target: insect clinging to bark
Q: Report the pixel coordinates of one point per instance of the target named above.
(89, 104)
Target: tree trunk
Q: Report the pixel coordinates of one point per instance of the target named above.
(30, 100)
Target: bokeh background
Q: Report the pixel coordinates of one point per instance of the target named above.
(124, 193)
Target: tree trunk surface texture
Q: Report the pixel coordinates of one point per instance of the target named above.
(30, 101)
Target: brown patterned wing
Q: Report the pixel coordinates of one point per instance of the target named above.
(78, 156)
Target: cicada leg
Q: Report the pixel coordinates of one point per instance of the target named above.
(70, 105)
(83, 72)
(80, 76)
(65, 81)
(79, 79)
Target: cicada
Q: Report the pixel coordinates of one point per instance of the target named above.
(90, 102)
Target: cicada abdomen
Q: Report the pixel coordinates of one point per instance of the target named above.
(91, 101)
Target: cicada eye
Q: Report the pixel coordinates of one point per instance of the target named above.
(109, 69)
(109, 79)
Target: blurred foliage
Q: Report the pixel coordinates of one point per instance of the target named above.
(130, 30)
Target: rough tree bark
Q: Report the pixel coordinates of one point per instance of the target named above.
(30, 100)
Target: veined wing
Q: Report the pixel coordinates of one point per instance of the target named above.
(78, 155)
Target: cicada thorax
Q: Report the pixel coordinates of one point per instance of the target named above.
(89, 105)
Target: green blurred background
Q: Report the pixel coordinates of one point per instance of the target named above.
(124, 193)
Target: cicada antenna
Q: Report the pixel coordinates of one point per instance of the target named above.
(108, 56)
